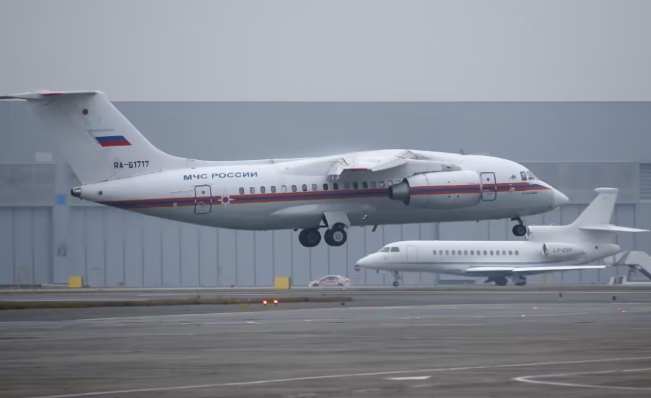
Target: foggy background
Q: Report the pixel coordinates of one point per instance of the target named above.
(560, 86)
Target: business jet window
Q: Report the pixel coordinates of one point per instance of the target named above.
(262, 190)
(447, 252)
(485, 252)
(283, 188)
(434, 252)
(335, 186)
(384, 250)
(373, 184)
(381, 184)
(395, 250)
(472, 252)
(517, 253)
(440, 252)
(491, 252)
(523, 175)
(504, 252)
(273, 189)
(252, 190)
(294, 188)
(325, 187)
(304, 188)
(510, 252)
(465, 252)
(241, 191)
(365, 185)
(314, 187)
(454, 252)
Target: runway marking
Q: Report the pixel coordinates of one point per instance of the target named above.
(530, 379)
(408, 378)
(339, 376)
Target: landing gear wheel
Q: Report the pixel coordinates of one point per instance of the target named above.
(519, 230)
(309, 237)
(336, 236)
(500, 281)
(396, 283)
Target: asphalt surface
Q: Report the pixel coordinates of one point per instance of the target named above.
(399, 344)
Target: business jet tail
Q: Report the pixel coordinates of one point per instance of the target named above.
(596, 217)
(96, 139)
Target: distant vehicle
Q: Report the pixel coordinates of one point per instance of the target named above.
(547, 249)
(117, 166)
(330, 280)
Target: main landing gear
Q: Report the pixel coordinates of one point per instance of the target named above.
(519, 229)
(518, 280)
(335, 236)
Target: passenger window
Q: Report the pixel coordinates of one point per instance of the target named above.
(335, 186)
(447, 252)
(262, 190)
(472, 252)
(517, 253)
(381, 184)
(355, 185)
(241, 191)
(435, 252)
(304, 188)
(504, 252)
(252, 190)
(395, 250)
(294, 188)
(510, 252)
(453, 252)
(365, 185)
(314, 187)
(523, 175)
(283, 188)
(491, 252)
(325, 187)
(273, 189)
(372, 184)
(485, 252)
(347, 186)
(440, 252)
(465, 252)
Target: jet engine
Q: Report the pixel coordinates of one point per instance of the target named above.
(439, 190)
(561, 251)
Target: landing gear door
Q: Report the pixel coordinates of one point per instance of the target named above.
(202, 199)
(488, 187)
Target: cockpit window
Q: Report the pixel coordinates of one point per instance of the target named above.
(523, 175)
(395, 249)
(384, 250)
(531, 176)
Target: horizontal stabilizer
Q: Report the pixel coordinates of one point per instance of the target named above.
(558, 268)
(43, 94)
(612, 228)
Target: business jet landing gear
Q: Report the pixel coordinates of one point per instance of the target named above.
(519, 229)
(519, 280)
(310, 237)
(397, 277)
(499, 280)
(336, 236)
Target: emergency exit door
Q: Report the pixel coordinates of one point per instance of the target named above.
(202, 199)
(488, 186)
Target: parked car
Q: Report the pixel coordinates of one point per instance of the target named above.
(330, 280)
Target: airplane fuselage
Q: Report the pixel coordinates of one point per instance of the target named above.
(284, 195)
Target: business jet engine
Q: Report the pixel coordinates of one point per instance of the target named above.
(439, 190)
(561, 251)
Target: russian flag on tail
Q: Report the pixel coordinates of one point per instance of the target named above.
(113, 140)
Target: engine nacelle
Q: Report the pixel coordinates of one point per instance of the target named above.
(441, 190)
(561, 251)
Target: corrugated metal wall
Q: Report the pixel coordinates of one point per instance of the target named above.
(46, 236)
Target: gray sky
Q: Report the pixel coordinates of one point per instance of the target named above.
(334, 50)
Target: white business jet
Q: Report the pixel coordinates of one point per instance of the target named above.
(547, 249)
(118, 167)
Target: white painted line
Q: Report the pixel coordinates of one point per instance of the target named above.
(340, 376)
(408, 378)
(532, 380)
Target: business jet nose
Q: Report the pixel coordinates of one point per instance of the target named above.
(559, 198)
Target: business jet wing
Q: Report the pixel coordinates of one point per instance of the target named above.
(498, 271)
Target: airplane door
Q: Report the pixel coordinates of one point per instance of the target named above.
(412, 254)
(488, 186)
(202, 199)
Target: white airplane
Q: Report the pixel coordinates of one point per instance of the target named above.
(118, 167)
(547, 249)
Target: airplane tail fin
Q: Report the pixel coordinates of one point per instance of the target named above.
(96, 139)
(596, 217)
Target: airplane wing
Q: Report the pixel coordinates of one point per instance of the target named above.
(497, 271)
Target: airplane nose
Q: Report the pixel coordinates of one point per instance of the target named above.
(559, 198)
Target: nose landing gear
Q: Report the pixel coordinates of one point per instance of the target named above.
(519, 229)
(397, 277)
